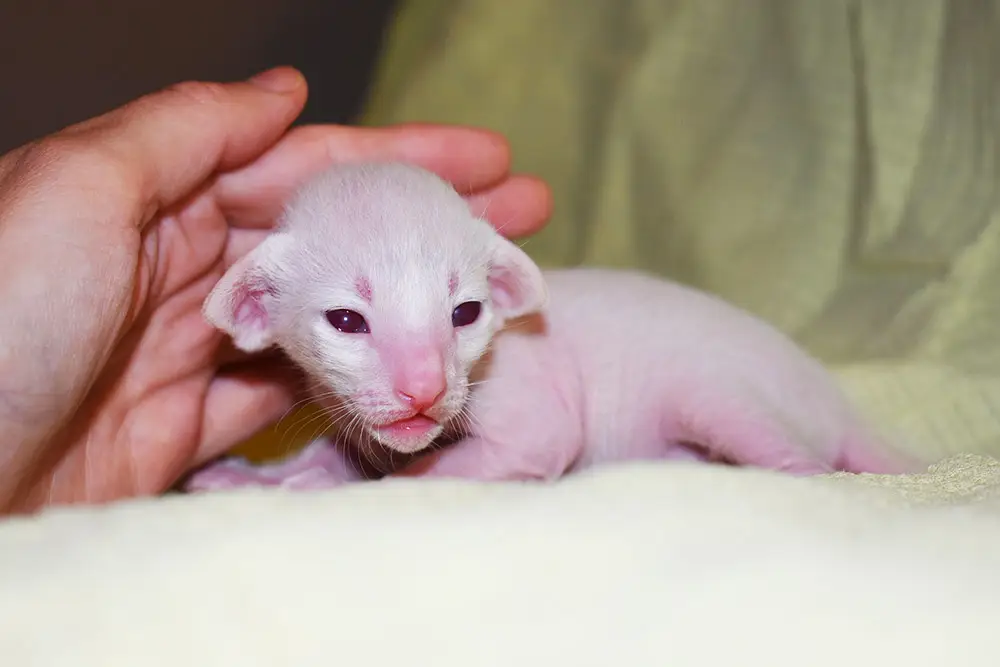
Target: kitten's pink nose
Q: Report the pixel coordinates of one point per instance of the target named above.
(423, 396)
(419, 376)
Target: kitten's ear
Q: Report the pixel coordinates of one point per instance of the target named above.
(517, 286)
(240, 304)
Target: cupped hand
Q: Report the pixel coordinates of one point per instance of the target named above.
(113, 231)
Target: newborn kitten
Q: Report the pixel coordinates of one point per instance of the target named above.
(419, 323)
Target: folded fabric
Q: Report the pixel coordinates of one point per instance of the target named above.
(640, 565)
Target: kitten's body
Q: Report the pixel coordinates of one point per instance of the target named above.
(561, 370)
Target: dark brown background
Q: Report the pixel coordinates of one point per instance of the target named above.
(62, 61)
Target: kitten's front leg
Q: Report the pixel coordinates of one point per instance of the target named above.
(478, 458)
(319, 465)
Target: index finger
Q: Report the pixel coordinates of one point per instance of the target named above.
(473, 160)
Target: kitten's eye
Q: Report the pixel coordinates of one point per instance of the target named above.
(347, 321)
(466, 313)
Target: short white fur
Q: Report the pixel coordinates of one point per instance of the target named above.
(616, 365)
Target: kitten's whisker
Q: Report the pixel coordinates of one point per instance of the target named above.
(320, 416)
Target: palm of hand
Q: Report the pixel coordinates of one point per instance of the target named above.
(143, 423)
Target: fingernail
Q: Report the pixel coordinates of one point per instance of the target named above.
(278, 79)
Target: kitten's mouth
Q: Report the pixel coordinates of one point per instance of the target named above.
(416, 426)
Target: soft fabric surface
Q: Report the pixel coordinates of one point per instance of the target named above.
(643, 566)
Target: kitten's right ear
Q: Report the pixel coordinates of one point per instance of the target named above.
(240, 303)
(517, 286)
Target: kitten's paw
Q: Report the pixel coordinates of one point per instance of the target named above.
(227, 474)
(319, 465)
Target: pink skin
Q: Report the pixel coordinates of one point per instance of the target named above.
(319, 465)
(554, 372)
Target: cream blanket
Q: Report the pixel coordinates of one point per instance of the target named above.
(644, 565)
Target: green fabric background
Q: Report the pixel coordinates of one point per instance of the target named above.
(829, 165)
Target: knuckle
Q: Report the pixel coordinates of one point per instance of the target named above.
(81, 161)
(65, 153)
(199, 92)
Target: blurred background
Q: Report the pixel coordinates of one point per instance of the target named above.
(64, 60)
(832, 166)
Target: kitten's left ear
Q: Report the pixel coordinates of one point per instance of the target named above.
(517, 286)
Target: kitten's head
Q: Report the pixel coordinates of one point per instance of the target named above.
(386, 290)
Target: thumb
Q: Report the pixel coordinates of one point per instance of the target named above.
(174, 139)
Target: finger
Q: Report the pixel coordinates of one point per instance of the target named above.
(242, 402)
(519, 206)
(174, 139)
(241, 242)
(228, 355)
(471, 159)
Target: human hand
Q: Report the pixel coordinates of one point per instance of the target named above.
(113, 231)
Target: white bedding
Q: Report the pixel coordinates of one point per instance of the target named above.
(642, 565)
